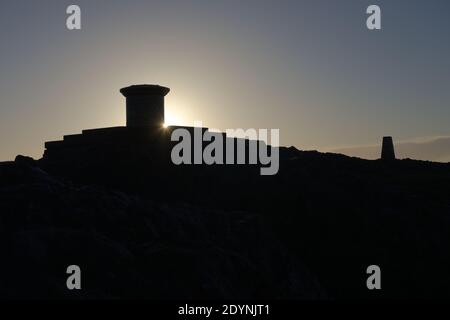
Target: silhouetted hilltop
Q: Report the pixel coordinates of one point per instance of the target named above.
(113, 201)
(225, 231)
(134, 246)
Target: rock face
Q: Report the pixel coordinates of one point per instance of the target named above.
(310, 231)
(129, 246)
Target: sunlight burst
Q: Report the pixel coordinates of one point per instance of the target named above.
(171, 119)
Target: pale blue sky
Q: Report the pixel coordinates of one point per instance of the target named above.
(310, 68)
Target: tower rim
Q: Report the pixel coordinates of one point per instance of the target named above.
(144, 89)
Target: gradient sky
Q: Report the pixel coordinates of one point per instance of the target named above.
(310, 68)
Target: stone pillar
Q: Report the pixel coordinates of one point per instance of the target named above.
(387, 151)
(145, 105)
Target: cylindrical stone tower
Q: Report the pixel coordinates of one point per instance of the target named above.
(387, 150)
(145, 105)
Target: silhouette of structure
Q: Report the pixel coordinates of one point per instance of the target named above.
(145, 105)
(387, 150)
(139, 151)
(142, 139)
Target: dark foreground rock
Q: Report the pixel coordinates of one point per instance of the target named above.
(131, 247)
(310, 231)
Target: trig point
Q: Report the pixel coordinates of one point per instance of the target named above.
(387, 150)
(145, 105)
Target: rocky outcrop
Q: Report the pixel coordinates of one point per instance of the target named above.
(131, 247)
(310, 231)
